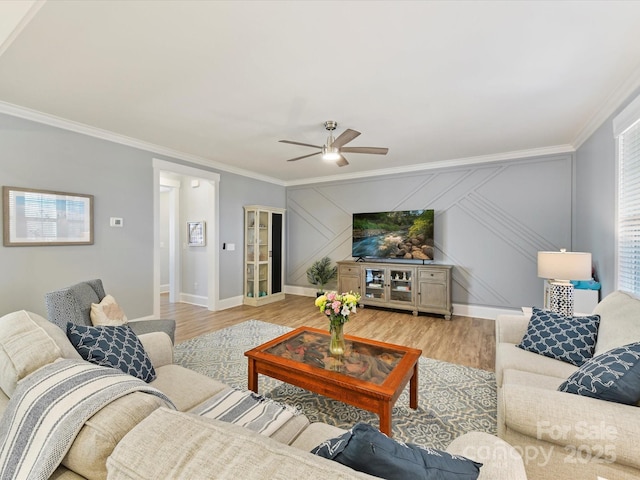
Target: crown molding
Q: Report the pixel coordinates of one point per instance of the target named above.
(608, 108)
(20, 16)
(497, 157)
(58, 122)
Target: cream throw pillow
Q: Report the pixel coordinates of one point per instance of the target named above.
(107, 312)
(619, 321)
(24, 347)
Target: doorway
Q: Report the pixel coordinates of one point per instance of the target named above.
(169, 176)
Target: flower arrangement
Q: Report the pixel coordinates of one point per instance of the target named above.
(338, 307)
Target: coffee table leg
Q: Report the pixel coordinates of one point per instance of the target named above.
(413, 388)
(385, 419)
(253, 375)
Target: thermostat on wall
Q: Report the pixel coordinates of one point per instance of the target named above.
(115, 222)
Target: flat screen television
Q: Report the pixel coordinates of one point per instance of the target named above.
(400, 235)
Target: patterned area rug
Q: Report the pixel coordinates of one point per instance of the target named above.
(452, 399)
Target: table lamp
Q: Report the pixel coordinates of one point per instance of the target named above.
(559, 268)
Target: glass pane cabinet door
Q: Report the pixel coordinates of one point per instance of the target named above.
(374, 283)
(249, 288)
(263, 237)
(401, 285)
(263, 282)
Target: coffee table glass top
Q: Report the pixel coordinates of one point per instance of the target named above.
(363, 361)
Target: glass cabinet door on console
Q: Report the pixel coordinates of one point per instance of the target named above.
(263, 255)
(401, 285)
(387, 285)
(374, 284)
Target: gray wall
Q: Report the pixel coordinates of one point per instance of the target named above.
(490, 222)
(121, 179)
(235, 192)
(194, 208)
(596, 199)
(164, 240)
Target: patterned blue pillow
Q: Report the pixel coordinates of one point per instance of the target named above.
(366, 449)
(570, 339)
(116, 347)
(612, 376)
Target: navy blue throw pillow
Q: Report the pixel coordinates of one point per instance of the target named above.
(367, 450)
(116, 347)
(612, 376)
(570, 339)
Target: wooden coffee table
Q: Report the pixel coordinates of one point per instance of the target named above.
(371, 375)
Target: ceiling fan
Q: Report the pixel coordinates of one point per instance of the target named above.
(333, 149)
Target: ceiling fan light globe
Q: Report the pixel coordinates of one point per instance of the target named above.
(330, 154)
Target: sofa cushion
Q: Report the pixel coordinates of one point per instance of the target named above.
(116, 347)
(612, 376)
(500, 461)
(186, 388)
(619, 321)
(509, 357)
(569, 339)
(204, 448)
(24, 347)
(102, 432)
(315, 434)
(107, 312)
(366, 449)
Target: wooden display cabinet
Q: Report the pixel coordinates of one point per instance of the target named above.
(419, 288)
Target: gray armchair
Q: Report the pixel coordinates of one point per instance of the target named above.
(73, 304)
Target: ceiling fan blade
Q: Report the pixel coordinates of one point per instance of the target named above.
(298, 143)
(342, 162)
(345, 137)
(373, 150)
(304, 156)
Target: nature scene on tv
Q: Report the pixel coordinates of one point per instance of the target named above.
(405, 234)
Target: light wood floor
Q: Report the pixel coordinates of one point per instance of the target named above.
(463, 340)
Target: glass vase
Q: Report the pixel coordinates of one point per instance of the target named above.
(336, 347)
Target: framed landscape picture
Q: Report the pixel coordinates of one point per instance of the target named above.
(42, 217)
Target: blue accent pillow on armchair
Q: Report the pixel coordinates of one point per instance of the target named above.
(569, 339)
(612, 376)
(112, 346)
(366, 449)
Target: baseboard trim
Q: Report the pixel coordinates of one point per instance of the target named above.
(302, 291)
(231, 302)
(479, 311)
(194, 299)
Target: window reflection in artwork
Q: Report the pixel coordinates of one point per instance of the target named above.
(39, 217)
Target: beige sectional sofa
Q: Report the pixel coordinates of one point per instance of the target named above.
(563, 435)
(137, 436)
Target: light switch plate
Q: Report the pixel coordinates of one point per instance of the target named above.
(116, 222)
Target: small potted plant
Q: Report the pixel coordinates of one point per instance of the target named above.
(320, 273)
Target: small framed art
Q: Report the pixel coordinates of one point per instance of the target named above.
(196, 234)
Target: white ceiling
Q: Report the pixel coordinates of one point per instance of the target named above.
(220, 82)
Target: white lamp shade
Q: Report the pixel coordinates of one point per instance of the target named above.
(564, 265)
